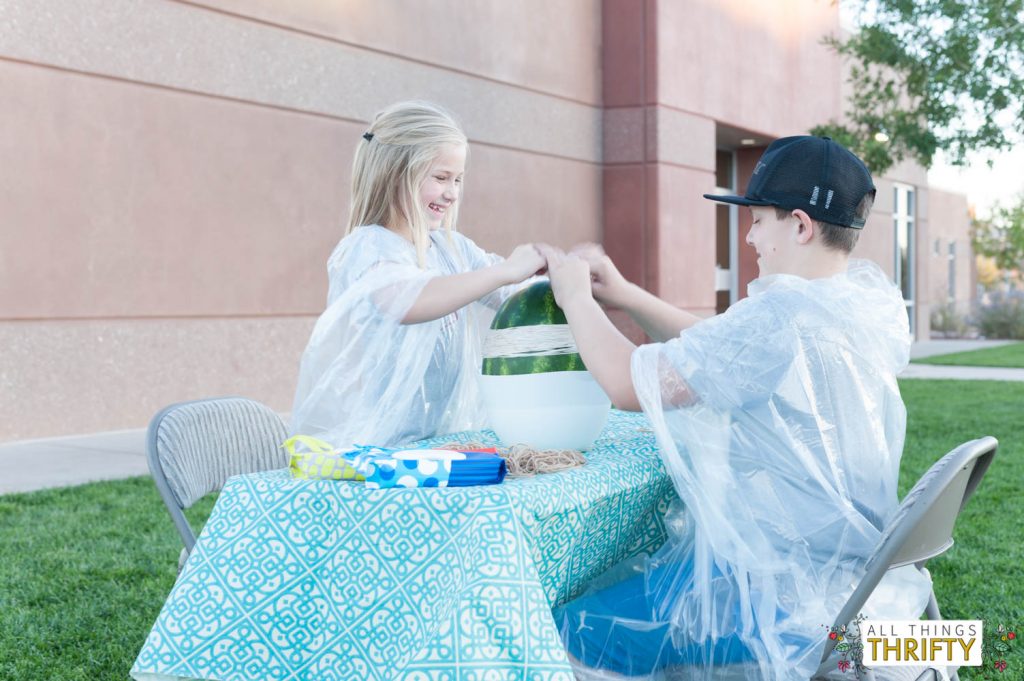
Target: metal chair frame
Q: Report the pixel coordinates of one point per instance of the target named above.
(217, 438)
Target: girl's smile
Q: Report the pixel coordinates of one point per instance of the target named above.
(443, 184)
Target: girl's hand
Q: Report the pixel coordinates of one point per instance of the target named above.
(609, 286)
(524, 262)
(570, 276)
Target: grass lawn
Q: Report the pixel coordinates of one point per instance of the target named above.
(84, 570)
(83, 573)
(980, 577)
(1003, 356)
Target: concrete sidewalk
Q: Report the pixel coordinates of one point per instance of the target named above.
(930, 348)
(58, 462)
(963, 373)
(944, 347)
(30, 465)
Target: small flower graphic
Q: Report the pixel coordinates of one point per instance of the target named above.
(848, 645)
(997, 646)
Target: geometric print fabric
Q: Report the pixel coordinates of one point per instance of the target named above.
(322, 580)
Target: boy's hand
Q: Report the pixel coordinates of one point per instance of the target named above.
(570, 276)
(609, 286)
(524, 262)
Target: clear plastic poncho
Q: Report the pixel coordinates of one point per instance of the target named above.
(368, 379)
(781, 425)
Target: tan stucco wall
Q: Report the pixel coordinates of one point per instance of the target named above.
(180, 169)
(673, 71)
(950, 223)
(756, 65)
(182, 174)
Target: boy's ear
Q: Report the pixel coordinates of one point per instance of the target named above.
(805, 227)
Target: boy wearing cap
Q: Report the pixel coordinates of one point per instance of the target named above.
(780, 422)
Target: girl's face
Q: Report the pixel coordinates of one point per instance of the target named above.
(440, 190)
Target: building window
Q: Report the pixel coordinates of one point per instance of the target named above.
(937, 248)
(726, 230)
(903, 229)
(952, 271)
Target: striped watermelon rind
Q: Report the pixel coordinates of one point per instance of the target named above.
(532, 306)
(515, 366)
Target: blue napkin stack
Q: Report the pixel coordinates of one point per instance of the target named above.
(478, 468)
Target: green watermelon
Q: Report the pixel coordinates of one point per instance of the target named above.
(532, 306)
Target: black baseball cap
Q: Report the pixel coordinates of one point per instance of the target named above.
(814, 174)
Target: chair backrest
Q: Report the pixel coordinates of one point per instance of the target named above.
(922, 526)
(194, 447)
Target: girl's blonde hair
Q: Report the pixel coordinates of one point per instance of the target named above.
(392, 161)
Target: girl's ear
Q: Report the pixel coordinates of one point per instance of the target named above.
(805, 227)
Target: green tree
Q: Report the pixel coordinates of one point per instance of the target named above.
(1001, 236)
(929, 75)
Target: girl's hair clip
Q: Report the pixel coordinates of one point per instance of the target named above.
(368, 136)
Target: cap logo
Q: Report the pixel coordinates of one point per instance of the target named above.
(828, 199)
(758, 167)
(814, 196)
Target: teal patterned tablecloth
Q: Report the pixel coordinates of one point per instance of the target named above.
(322, 580)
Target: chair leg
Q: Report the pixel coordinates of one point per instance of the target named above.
(933, 608)
(932, 612)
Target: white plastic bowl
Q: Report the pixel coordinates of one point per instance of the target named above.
(556, 410)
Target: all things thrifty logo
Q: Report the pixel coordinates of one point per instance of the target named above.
(952, 643)
(915, 642)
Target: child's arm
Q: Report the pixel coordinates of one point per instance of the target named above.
(443, 295)
(604, 349)
(660, 320)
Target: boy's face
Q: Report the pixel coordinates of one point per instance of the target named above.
(443, 184)
(773, 239)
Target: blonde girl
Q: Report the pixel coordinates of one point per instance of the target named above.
(395, 355)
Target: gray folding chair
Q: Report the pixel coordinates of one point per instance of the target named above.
(194, 447)
(921, 529)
